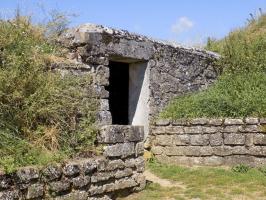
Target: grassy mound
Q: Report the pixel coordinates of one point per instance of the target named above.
(44, 117)
(240, 90)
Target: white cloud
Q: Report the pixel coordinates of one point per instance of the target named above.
(181, 25)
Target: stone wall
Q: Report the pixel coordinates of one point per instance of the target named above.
(210, 141)
(172, 69)
(119, 170)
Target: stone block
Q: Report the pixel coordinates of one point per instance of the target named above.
(134, 134)
(75, 195)
(10, 195)
(157, 150)
(249, 140)
(115, 164)
(262, 121)
(95, 190)
(105, 197)
(101, 92)
(180, 140)
(111, 134)
(164, 140)
(193, 130)
(199, 140)
(213, 161)
(5, 181)
(101, 176)
(81, 181)
(141, 180)
(229, 121)
(103, 118)
(216, 139)
(27, 174)
(102, 75)
(130, 162)
(101, 163)
(234, 139)
(125, 183)
(180, 122)
(35, 191)
(231, 129)
(71, 169)
(123, 173)
(174, 151)
(211, 129)
(120, 150)
(198, 121)
(250, 129)
(174, 130)
(237, 159)
(51, 173)
(251, 121)
(139, 149)
(59, 186)
(88, 166)
(215, 122)
(140, 164)
(104, 104)
(158, 130)
(163, 122)
(259, 139)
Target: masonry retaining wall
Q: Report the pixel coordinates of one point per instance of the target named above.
(118, 170)
(210, 141)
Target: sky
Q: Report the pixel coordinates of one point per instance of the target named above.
(188, 22)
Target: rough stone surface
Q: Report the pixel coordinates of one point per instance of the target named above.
(210, 142)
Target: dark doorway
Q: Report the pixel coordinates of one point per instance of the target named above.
(118, 89)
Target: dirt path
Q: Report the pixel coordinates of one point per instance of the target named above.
(162, 182)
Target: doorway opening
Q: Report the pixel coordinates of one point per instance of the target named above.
(129, 93)
(119, 92)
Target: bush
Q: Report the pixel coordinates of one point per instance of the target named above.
(43, 116)
(240, 90)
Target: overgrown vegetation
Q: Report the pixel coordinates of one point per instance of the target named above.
(240, 90)
(204, 183)
(44, 117)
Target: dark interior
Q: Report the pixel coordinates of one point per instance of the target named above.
(118, 89)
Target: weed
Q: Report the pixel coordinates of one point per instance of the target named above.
(241, 168)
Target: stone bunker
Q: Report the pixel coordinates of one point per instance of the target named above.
(136, 76)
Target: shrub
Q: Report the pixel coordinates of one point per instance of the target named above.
(43, 116)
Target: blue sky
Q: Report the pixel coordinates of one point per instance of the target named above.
(185, 21)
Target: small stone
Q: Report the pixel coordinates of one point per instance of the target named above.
(94, 189)
(120, 150)
(10, 195)
(52, 172)
(231, 129)
(193, 130)
(139, 148)
(35, 191)
(81, 181)
(101, 176)
(104, 104)
(75, 195)
(259, 139)
(180, 122)
(25, 175)
(71, 169)
(250, 129)
(59, 186)
(88, 166)
(115, 164)
(125, 183)
(173, 130)
(5, 181)
(124, 173)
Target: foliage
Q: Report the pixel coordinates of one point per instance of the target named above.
(241, 168)
(43, 116)
(240, 90)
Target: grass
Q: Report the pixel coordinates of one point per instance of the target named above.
(240, 89)
(44, 117)
(204, 183)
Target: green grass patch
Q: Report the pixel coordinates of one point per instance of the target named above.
(204, 183)
(44, 117)
(240, 90)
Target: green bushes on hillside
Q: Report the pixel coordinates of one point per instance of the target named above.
(240, 90)
(43, 116)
